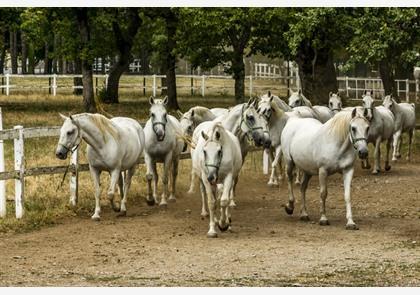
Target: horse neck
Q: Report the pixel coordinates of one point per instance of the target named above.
(232, 121)
(90, 132)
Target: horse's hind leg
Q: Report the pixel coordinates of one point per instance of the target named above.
(174, 177)
(115, 175)
(291, 204)
(150, 175)
(204, 212)
(276, 172)
(323, 194)
(388, 149)
(96, 179)
(396, 146)
(121, 184)
(410, 141)
(305, 180)
(166, 169)
(377, 156)
(127, 184)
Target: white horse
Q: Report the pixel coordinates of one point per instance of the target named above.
(405, 121)
(164, 145)
(219, 111)
(246, 124)
(381, 129)
(324, 149)
(334, 102)
(297, 99)
(114, 145)
(193, 117)
(217, 161)
(270, 107)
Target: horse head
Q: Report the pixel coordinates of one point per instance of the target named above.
(334, 102)
(69, 137)
(159, 116)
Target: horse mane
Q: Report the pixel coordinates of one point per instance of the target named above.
(278, 112)
(307, 101)
(217, 127)
(338, 125)
(103, 124)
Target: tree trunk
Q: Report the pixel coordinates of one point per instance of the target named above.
(387, 76)
(24, 53)
(46, 59)
(124, 43)
(77, 81)
(31, 59)
(238, 68)
(317, 73)
(87, 72)
(2, 58)
(145, 61)
(14, 51)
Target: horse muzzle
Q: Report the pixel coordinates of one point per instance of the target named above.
(363, 153)
(61, 154)
(212, 179)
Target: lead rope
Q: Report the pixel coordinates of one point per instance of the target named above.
(68, 166)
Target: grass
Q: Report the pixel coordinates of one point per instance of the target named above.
(44, 203)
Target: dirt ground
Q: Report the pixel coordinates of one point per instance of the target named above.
(158, 247)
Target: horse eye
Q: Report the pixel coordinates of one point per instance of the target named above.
(251, 118)
(220, 153)
(367, 129)
(205, 153)
(330, 104)
(353, 129)
(153, 115)
(70, 132)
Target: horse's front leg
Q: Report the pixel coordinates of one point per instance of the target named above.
(232, 203)
(150, 175)
(275, 170)
(224, 202)
(211, 200)
(127, 184)
(388, 149)
(377, 156)
(396, 143)
(347, 178)
(303, 214)
(175, 163)
(115, 175)
(290, 206)
(323, 195)
(96, 179)
(166, 169)
(204, 212)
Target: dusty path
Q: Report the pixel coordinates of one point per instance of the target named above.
(155, 247)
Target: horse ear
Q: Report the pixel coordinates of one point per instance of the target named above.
(271, 99)
(165, 100)
(205, 136)
(192, 113)
(151, 100)
(217, 135)
(330, 94)
(299, 91)
(62, 116)
(353, 113)
(180, 114)
(269, 93)
(250, 101)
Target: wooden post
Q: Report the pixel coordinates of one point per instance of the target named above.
(7, 84)
(250, 86)
(106, 81)
(54, 86)
(407, 90)
(154, 85)
(357, 96)
(49, 85)
(203, 85)
(74, 178)
(96, 84)
(2, 182)
(347, 86)
(266, 161)
(144, 86)
(20, 167)
(2, 84)
(192, 85)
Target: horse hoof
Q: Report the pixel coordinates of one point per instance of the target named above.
(163, 205)
(190, 192)
(116, 208)
(223, 228)
(122, 214)
(387, 168)
(368, 166)
(172, 200)
(324, 222)
(96, 218)
(230, 220)
(212, 235)
(151, 202)
(232, 204)
(305, 218)
(398, 156)
(352, 226)
(375, 172)
(272, 183)
(289, 211)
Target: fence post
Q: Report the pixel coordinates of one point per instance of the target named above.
(2, 182)
(106, 81)
(154, 85)
(357, 89)
(347, 86)
(407, 91)
(96, 85)
(266, 161)
(74, 178)
(2, 84)
(144, 86)
(203, 85)
(7, 84)
(250, 86)
(20, 167)
(54, 86)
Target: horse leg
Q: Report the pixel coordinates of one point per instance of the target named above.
(410, 141)
(192, 184)
(96, 179)
(274, 167)
(115, 175)
(347, 178)
(388, 149)
(232, 203)
(127, 184)
(298, 172)
(166, 168)
(303, 214)
(204, 212)
(149, 176)
(121, 180)
(323, 194)
(291, 204)
(377, 156)
(211, 199)
(155, 182)
(175, 163)
(395, 152)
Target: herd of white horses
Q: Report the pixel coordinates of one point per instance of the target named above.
(311, 140)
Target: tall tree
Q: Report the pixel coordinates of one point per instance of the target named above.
(387, 38)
